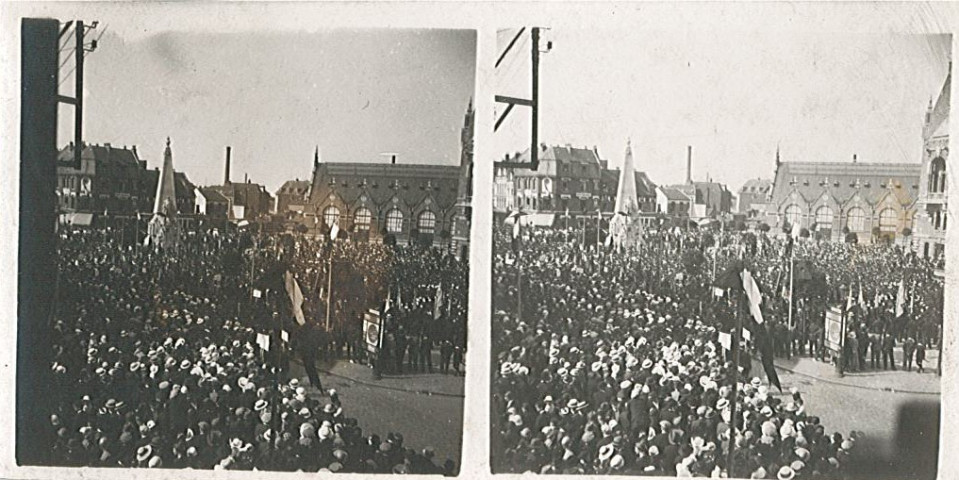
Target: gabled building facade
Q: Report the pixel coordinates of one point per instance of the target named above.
(875, 201)
(932, 212)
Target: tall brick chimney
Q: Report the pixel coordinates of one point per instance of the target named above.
(689, 164)
(226, 175)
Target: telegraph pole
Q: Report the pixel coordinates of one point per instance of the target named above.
(77, 99)
(532, 102)
(78, 95)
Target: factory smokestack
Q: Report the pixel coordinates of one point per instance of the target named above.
(689, 164)
(226, 175)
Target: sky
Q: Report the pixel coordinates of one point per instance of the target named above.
(272, 94)
(735, 97)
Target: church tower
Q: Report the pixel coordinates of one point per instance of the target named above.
(462, 219)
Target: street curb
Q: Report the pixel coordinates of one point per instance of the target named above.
(386, 387)
(877, 389)
(395, 389)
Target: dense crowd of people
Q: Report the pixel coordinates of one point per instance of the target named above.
(609, 361)
(157, 363)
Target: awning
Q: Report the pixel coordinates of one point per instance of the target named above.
(540, 219)
(78, 219)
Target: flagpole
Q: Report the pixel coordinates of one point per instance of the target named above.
(599, 218)
(735, 380)
(792, 266)
(329, 290)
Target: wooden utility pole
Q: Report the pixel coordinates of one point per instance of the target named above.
(532, 102)
(78, 95)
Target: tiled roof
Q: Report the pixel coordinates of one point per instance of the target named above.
(845, 180)
(295, 187)
(412, 183)
(103, 154)
(940, 113)
(674, 194)
(757, 185)
(213, 195)
(644, 186)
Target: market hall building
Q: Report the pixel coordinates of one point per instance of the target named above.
(395, 202)
(874, 201)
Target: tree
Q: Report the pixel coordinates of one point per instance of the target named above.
(804, 232)
(876, 232)
(787, 227)
(764, 227)
(906, 232)
(708, 240)
(693, 260)
(852, 238)
(845, 230)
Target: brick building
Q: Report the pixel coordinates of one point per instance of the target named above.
(114, 181)
(833, 198)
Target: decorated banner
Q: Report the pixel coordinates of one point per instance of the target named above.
(834, 329)
(372, 330)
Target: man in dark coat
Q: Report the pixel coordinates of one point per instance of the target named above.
(908, 348)
(307, 346)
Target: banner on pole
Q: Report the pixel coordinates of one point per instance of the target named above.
(372, 330)
(834, 330)
(263, 341)
(296, 297)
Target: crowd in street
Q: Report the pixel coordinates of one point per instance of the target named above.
(157, 362)
(609, 361)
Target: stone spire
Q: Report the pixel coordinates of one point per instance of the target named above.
(626, 191)
(165, 201)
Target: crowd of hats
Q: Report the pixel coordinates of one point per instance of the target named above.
(611, 371)
(157, 373)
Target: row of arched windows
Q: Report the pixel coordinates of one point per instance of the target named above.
(937, 175)
(855, 218)
(363, 217)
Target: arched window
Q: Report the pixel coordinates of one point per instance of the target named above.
(823, 218)
(427, 222)
(888, 220)
(937, 175)
(361, 220)
(793, 214)
(331, 216)
(394, 221)
(856, 220)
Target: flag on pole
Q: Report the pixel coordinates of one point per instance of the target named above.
(516, 218)
(736, 276)
(296, 297)
(438, 302)
(901, 298)
(849, 303)
(862, 301)
(753, 295)
(796, 230)
(389, 301)
(334, 231)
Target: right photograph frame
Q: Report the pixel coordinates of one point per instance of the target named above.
(718, 254)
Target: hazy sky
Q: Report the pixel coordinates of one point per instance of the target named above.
(733, 97)
(274, 95)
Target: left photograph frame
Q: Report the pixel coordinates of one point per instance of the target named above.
(242, 249)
